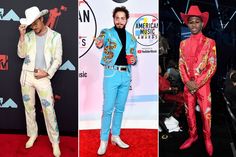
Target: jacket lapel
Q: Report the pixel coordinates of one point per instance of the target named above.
(32, 45)
(47, 47)
(116, 36)
(49, 34)
(128, 40)
(201, 44)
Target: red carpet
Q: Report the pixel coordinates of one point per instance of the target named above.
(143, 143)
(12, 145)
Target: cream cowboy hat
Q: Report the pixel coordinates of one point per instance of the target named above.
(32, 14)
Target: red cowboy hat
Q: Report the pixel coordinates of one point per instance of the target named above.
(195, 11)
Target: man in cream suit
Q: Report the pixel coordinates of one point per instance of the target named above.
(41, 49)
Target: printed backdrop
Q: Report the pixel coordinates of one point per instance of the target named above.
(63, 18)
(141, 107)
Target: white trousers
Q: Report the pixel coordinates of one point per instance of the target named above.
(29, 84)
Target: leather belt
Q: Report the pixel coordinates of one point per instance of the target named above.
(116, 67)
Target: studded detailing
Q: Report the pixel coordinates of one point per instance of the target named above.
(119, 68)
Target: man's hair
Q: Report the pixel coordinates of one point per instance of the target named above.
(233, 76)
(123, 9)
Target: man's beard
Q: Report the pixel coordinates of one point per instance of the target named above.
(119, 26)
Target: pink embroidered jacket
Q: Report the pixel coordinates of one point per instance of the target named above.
(200, 65)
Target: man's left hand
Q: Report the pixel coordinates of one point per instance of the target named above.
(195, 87)
(192, 86)
(38, 74)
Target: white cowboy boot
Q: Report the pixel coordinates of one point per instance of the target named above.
(102, 148)
(115, 140)
(30, 142)
(56, 150)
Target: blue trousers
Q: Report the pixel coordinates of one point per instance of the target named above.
(115, 89)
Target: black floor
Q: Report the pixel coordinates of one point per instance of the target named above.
(222, 135)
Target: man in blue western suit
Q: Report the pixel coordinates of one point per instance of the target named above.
(118, 56)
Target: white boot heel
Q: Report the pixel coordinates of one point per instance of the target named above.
(102, 148)
(115, 140)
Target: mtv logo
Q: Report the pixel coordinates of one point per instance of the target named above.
(11, 15)
(67, 66)
(8, 104)
(3, 62)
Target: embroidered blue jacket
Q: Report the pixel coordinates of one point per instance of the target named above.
(112, 46)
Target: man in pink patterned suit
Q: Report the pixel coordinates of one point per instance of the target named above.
(197, 65)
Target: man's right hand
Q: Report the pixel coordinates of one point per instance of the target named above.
(99, 43)
(22, 29)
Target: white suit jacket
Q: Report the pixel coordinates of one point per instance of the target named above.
(52, 51)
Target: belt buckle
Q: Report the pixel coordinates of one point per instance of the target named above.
(36, 70)
(123, 68)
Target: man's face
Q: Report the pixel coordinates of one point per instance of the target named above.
(120, 19)
(195, 24)
(37, 25)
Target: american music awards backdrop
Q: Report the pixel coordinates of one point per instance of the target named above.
(62, 18)
(141, 106)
